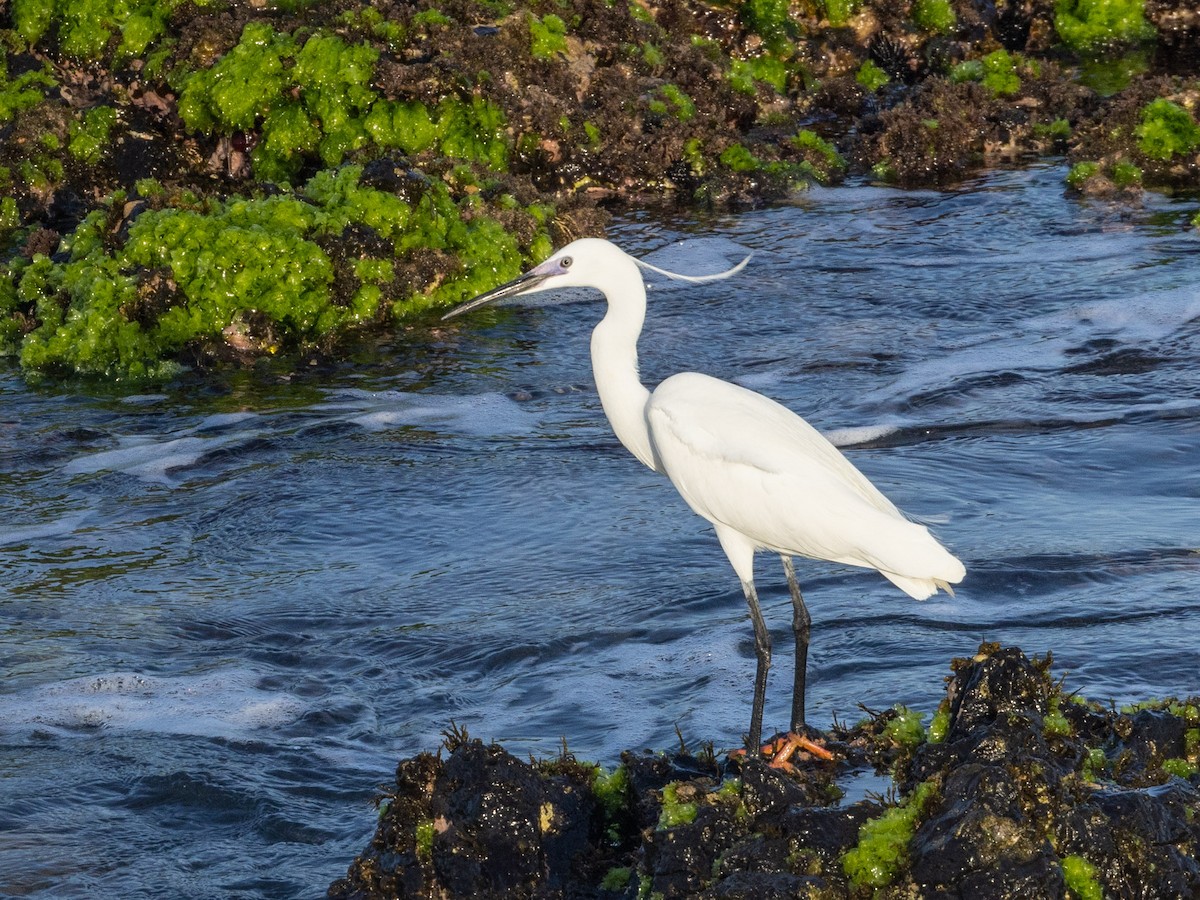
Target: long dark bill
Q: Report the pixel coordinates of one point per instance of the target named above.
(516, 286)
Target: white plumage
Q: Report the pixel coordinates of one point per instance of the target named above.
(765, 478)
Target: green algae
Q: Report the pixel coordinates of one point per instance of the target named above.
(871, 77)
(673, 101)
(424, 840)
(1125, 174)
(247, 270)
(616, 879)
(1180, 768)
(612, 790)
(771, 20)
(1082, 172)
(1095, 764)
(675, 809)
(24, 91)
(547, 36)
(939, 725)
(1054, 723)
(1080, 878)
(1166, 130)
(838, 12)
(739, 158)
(89, 136)
(86, 28)
(882, 850)
(822, 162)
(936, 16)
(906, 730)
(1090, 26)
(318, 100)
(745, 74)
(997, 71)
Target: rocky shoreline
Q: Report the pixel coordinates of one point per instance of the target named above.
(1015, 789)
(193, 185)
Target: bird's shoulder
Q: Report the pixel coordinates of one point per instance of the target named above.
(699, 421)
(708, 411)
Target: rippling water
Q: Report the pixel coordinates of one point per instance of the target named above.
(228, 609)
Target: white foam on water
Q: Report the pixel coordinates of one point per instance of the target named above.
(223, 420)
(218, 704)
(477, 414)
(860, 434)
(60, 526)
(1043, 343)
(148, 460)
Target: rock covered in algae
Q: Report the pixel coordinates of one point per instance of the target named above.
(1015, 790)
(523, 122)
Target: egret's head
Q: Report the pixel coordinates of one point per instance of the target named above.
(582, 263)
(587, 262)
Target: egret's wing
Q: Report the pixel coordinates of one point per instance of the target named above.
(749, 463)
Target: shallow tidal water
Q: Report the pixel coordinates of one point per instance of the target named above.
(227, 609)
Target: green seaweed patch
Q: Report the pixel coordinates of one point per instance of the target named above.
(906, 729)
(1058, 130)
(678, 805)
(1166, 130)
(616, 879)
(547, 36)
(612, 790)
(24, 91)
(1090, 26)
(997, 71)
(1125, 174)
(1095, 764)
(746, 74)
(1080, 878)
(839, 12)
(871, 77)
(822, 162)
(86, 28)
(1180, 768)
(1081, 173)
(882, 850)
(432, 17)
(318, 100)
(739, 158)
(89, 135)
(1054, 723)
(424, 840)
(939, 725)
(936, 16)
(772, 21)
(670, 99)
(250, 274)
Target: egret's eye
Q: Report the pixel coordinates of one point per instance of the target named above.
(565, 262)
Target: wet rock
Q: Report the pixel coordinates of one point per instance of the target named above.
(1027, 793)
(480, 824)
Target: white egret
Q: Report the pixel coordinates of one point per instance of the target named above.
(764, 478)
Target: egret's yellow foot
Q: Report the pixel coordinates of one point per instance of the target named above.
(784, 747)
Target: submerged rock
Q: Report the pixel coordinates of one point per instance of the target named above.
(1016, 790)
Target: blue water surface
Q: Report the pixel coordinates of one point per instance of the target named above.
(229, 607)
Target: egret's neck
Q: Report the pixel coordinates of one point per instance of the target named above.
(614, 364)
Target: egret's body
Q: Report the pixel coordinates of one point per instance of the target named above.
(765, 478)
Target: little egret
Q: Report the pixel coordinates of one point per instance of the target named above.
(764, 478)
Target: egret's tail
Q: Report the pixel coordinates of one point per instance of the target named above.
(924, 588)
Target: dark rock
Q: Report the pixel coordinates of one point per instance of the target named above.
(1008, 799)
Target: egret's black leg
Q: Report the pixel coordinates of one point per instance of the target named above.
(762, 651)
(801, 626)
